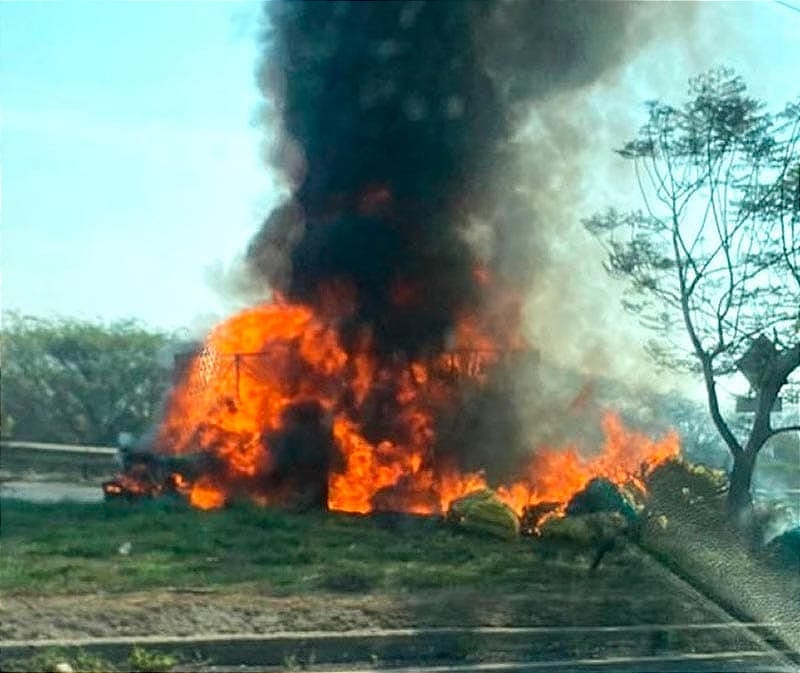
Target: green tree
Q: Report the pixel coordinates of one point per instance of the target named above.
(79, 382)
(712, 262)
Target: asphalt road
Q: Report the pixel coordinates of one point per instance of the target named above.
(732, 662)
(50, 491)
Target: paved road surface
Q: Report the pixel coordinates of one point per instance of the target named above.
(50, 491)
(733, 662)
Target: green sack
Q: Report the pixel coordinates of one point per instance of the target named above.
(483, 512)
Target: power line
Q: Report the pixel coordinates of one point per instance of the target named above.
(788, 5)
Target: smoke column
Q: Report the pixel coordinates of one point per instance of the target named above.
(395, 123)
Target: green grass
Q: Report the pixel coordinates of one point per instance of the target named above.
(73, 548)
(140, 660)
(47, 660)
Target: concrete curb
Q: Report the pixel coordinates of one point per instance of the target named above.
(398, 645)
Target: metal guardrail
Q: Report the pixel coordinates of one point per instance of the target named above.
(46, 460)
(63, 448)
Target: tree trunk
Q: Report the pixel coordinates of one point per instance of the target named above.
(740, 499)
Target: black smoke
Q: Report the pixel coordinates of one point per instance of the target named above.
(395, 119)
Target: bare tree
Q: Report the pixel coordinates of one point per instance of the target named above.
(712, 262)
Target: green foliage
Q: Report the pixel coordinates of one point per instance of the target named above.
(73, 381)
(140, 660)
(147, 661)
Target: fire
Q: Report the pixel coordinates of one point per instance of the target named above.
(256, 369)
(205, 495)
(251, 368)
(626, 457)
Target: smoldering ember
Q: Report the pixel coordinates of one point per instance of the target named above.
(376, 374)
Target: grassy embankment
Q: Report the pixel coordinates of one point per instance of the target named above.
(74, 548)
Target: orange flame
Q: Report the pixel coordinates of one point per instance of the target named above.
(261, 361)
(205, 495)
(555, 475)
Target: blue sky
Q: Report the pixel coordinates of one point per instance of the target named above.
(131, 167)
(130, 163)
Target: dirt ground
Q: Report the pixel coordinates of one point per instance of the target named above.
(646, 596)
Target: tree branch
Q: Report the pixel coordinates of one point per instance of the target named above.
(785, 428)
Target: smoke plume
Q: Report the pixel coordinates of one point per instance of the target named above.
(396, 122)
